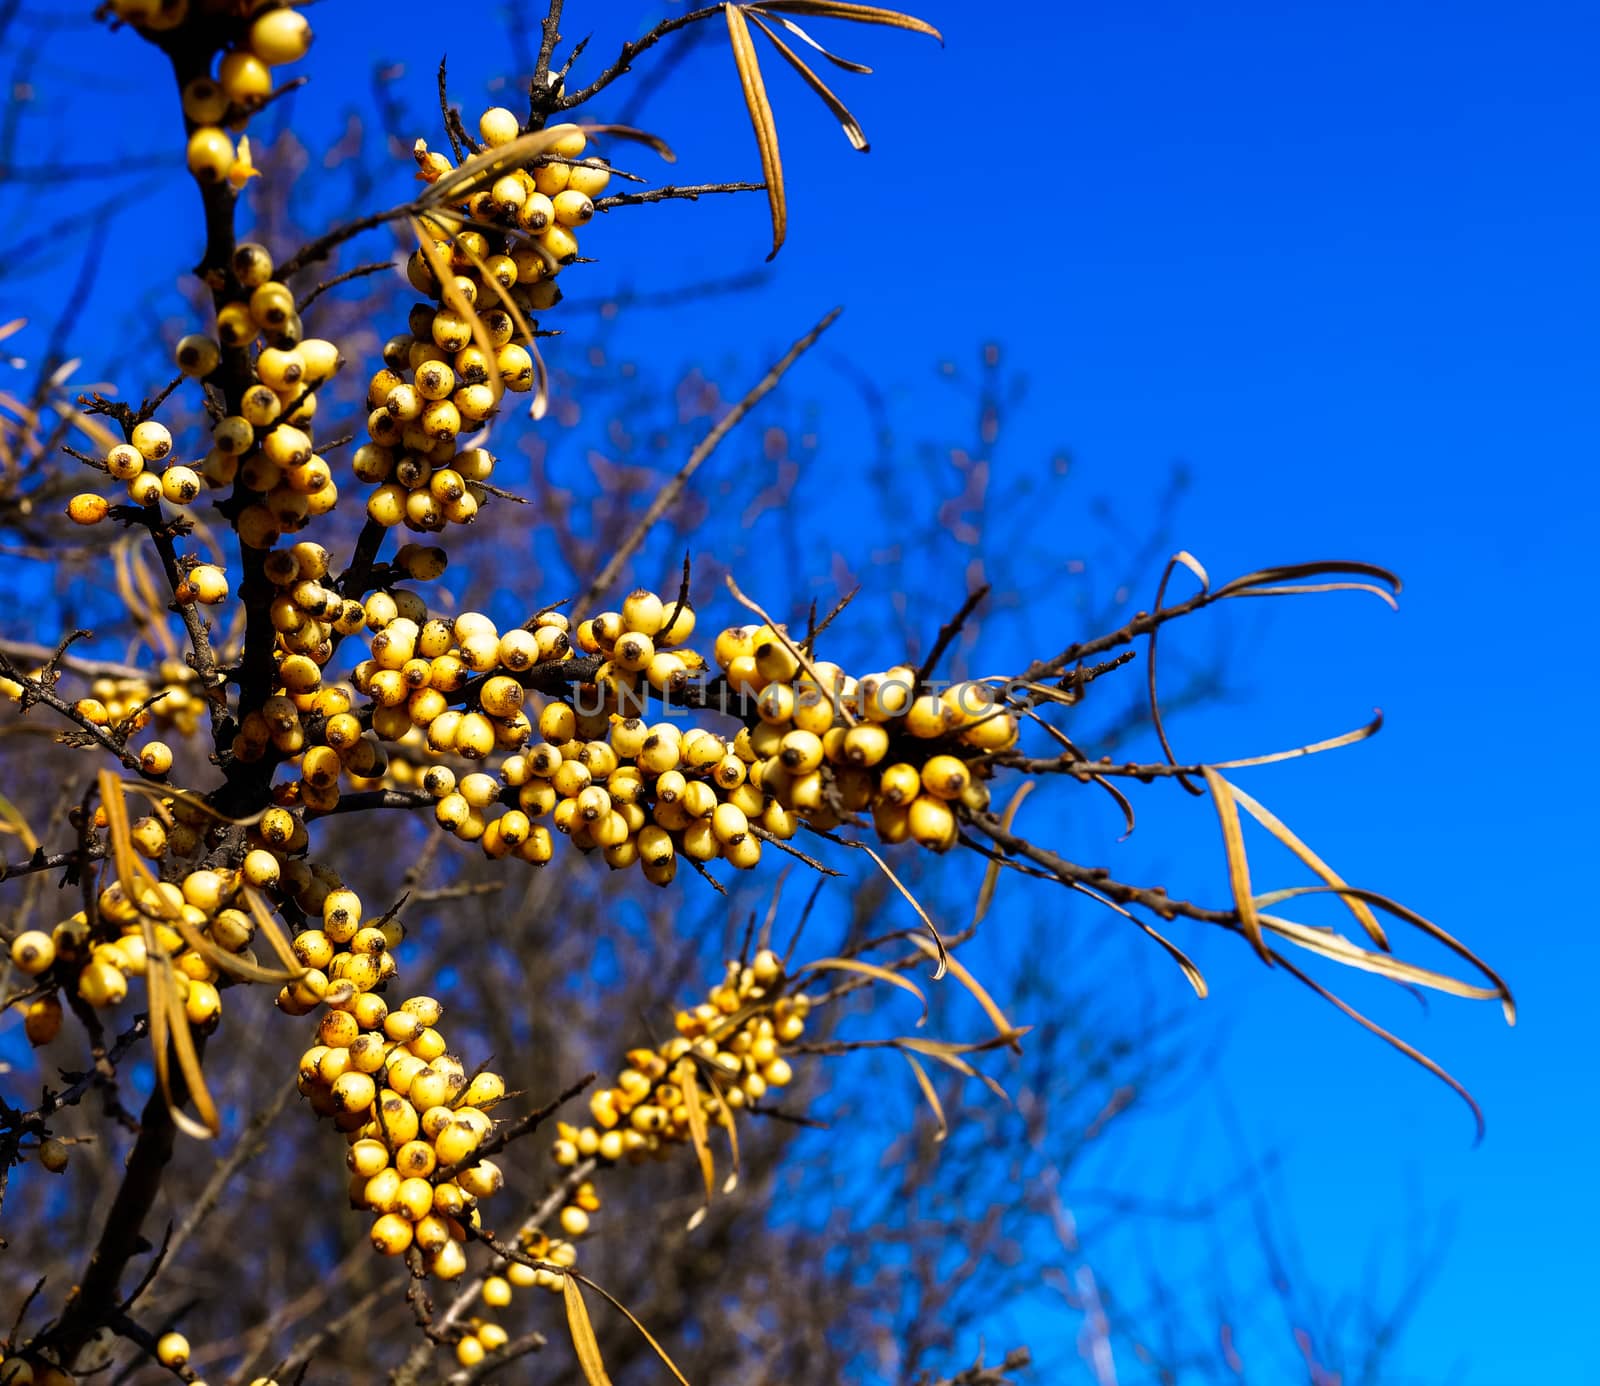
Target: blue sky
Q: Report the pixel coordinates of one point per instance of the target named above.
(1339, 259)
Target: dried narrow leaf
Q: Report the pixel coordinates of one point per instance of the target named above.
(1238, 863)
(1335, 946)
(1269, 582)
(230, 963)
(997, 1017)
(1187, 560)
(132, 874)
(725, 1119)
(11, 328)
(189, 1065)
(991, 877)
(761, 120)
(1410, 1051)
(851, 126)
(269, 926)
(1196, 977)
(688, 1079)
(861, 69)
(1195, 566)
(168, 1018)
(949, 1053)
(456, 300)
(1333, 743)
(926, 1084)
(1409, 916)
(628, 1314)
(916, 904)
(582, 1331)
(486, 164)
(866, 969)
(859, 14)
(169, 1031)
(1268, 820)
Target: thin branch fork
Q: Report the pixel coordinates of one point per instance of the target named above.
(632, 50)
(669, 494)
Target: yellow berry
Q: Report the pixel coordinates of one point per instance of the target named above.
(87, 509)
(280, 36)
(210, 154)
(33, 951)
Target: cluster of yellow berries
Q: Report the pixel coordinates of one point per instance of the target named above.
(608, 781)
(145, 466)
(729, 1043)
(817, 745)
(469, 342)
(727, 1050)
(277, 34)
(196, 923)
(824, 744)
(535, 211)
(133, 704)
(266, 445)
(413, 1116)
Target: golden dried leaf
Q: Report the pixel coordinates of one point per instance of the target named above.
(628, 1314)
(761, 120)
(1195, 976)
(688, 1079)
(1333, 743)
(859, 14)
(582, 1331)
(1268, 820)
(991, 877)
(725, 1118)
(991, 1008)
(926, 1084)
(540, 403)
(1269, 582)
(1238, 862)
(14, 822)
(927, 919)
(861, 69)
(866, 969)
(456, 300)
(949, 1053)
(262, 914)
(1410, 1051)
(487, 164)
(1335, 946)
(850, 125)
(1409, 916)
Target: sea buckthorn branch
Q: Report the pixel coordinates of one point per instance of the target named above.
(187, 589)
(94, 1299)
(16, 1125)
(37, 690)
(445, 1324)
(27, 652)
(560, 101)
